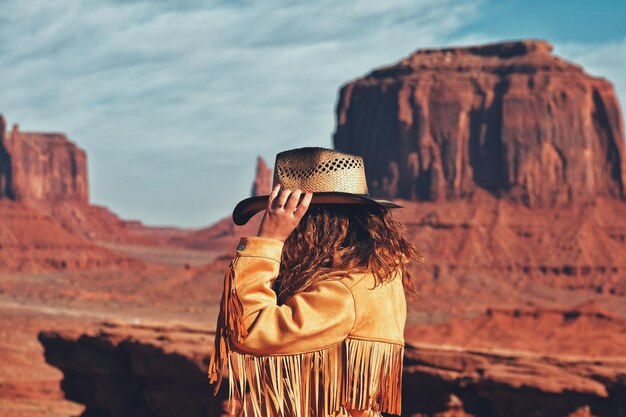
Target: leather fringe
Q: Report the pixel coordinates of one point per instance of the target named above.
(374, 375)
(229, 322)
(353, 374)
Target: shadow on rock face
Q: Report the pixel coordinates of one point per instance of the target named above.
(130, 378)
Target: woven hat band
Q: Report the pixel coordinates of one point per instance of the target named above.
(320, 170)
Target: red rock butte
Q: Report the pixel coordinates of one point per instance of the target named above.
(41, 167)
(510, 118)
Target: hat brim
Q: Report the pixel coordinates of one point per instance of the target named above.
(248, 207)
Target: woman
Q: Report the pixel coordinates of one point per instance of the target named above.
(313, 311)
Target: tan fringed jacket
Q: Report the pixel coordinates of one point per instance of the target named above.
(334, 349)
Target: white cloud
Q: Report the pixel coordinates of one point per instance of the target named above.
(174, 100)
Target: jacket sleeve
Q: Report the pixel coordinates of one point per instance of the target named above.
(318, 317)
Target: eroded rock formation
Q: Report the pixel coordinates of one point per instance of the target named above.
(41, 167)
(136, 370)
(263, 178)
(499, 383)
(510, 118)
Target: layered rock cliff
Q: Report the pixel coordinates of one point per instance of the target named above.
(136, 370)
(41, 167)
(510, 118)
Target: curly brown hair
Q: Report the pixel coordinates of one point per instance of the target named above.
(354, 237)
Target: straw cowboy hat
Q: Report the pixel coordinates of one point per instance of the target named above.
(334, 177)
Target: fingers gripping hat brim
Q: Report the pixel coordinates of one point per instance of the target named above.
(251, 206)
(333, 176)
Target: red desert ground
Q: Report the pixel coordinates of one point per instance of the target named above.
(511, 165)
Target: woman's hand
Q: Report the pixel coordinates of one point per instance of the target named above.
(283, 213)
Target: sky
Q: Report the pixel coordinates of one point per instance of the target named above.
(174, 100)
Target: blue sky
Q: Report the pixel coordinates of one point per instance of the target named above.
(174, 100)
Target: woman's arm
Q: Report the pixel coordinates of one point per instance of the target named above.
(316, 318)
(250, 318)
(251, 321)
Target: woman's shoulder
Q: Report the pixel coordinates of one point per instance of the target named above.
(347, 278)
(362, 278)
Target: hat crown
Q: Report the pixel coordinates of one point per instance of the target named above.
(321, 170)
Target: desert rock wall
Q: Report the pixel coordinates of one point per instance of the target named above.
(510, 118)
(44, 167)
